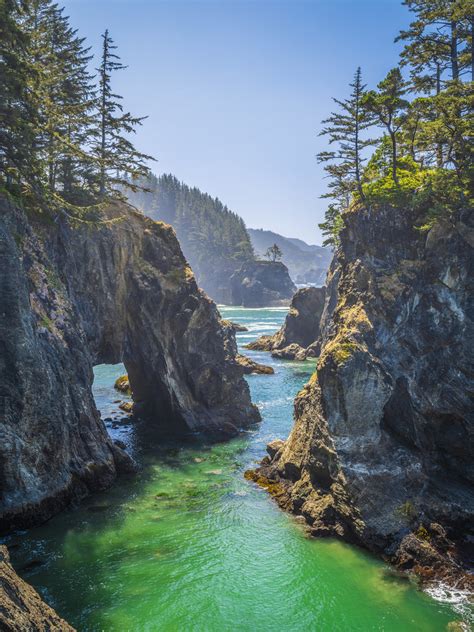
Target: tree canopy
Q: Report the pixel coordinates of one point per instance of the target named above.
(423, 158)
(64, 138)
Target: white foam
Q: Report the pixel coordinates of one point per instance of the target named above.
(460, 600)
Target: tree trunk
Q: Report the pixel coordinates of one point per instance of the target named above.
(454, 51)
(439, 148)
(394, 156)
(472, 48)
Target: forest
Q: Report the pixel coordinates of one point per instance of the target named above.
(65, 136)
(409, 141)
(213, 238)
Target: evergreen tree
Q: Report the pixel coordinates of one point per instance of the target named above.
(120, 164)
(345, 129)
(274, 253)
(387, 106)
(439, 39)
(17, 117)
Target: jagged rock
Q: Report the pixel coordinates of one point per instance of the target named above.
(383, 438)
(21, 608)
(250, 366)
(275, 447)
(75, 295)
(262, 284)
(291, 352)
(301, 329)
(237, 327)
(122, 384)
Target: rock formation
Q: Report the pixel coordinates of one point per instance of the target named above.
(298, 338)
(250, 366)
(381, 452)
(262, 284)
(79, 294)
(21, 608)
(306, 263)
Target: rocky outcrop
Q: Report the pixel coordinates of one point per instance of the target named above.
(79, 294)
(306, 263)
(262, 284)
(21, 608)
(298, 338)
(381, 452)
(237, 327)
(250, 366)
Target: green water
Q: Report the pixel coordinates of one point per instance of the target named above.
(190, 545)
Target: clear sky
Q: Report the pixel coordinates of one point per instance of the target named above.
(235, 90)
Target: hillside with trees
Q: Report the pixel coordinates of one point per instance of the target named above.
(306, 263)
(213, 238)
(418, 120)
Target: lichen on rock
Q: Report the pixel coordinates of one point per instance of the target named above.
(382, 445)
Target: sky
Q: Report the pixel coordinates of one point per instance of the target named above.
(235, 90)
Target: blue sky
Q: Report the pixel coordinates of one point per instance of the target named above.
(235, 90)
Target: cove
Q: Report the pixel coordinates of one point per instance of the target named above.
(189, 544)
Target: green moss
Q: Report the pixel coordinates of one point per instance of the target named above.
(176, 276)
(422, 533)
(343, 351)
(18, 239)
(46, 322)
(53, 279)
(407, 510)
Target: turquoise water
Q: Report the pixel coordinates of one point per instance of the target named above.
(190, 545)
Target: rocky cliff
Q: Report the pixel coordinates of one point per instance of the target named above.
(75, 295)
(306, 263)
(261, 284)
(298, 338)
(381, 452)
(21, 608)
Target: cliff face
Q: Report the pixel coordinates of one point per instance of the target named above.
(382, 447)
(306, 263)
(262, 284)
(75, 296)
(21, 608)
(298, 338)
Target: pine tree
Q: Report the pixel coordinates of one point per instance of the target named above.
(274, 253)
(387, 106)
(120, 164)
(16, 115)
(345, 128)
(439, 39)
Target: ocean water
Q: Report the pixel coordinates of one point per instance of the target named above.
(189, 545)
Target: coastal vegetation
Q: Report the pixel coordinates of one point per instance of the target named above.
(65, 137)
(213, 238)
(423, 157)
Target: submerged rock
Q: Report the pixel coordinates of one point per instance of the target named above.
(75, 295)
(381, 452)
(262, 284)
(21, 608)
